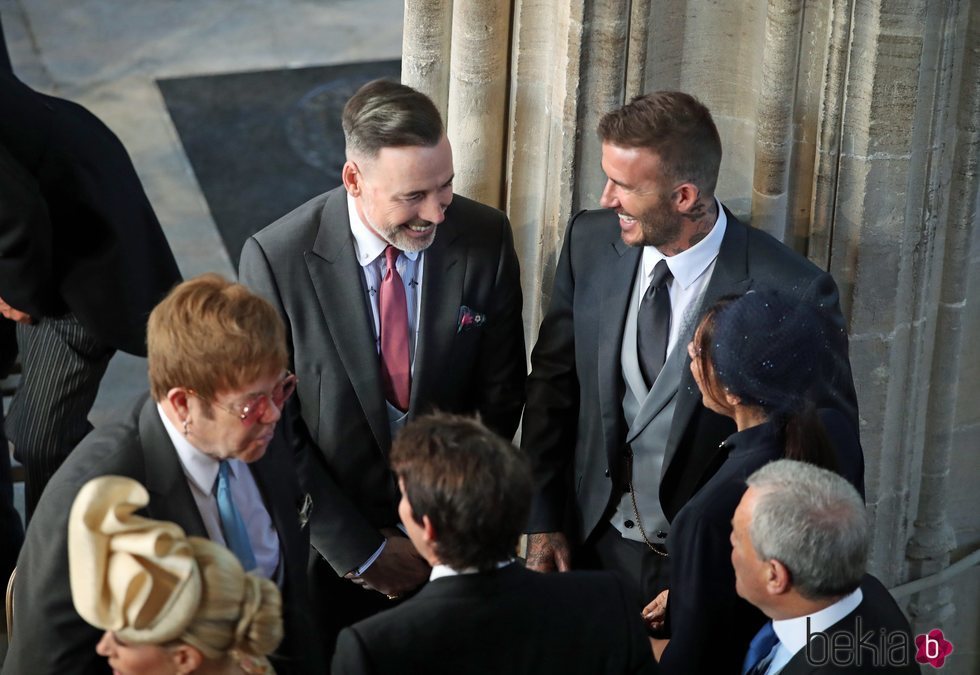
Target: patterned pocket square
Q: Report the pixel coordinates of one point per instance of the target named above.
(468, 319)
(305, 509)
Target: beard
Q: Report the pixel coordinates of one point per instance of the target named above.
(399, 236)
(658, 225)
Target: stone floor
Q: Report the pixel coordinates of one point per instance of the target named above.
(107, 55)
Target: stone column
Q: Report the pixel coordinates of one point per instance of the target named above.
(426, 48)
(540, 159)
(953, 221)
(774, 129)
(601, 87)
(477, 110)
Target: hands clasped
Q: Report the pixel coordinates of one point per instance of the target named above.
(398, 570)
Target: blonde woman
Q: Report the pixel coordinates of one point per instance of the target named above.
(167, 603)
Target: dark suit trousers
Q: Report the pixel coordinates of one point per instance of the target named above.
(62, 366)
(645, 572)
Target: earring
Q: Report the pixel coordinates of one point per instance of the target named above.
(187, 427)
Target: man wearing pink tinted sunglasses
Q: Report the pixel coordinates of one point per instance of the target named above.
(207, 446)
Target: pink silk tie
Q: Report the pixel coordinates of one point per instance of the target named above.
(396, 375)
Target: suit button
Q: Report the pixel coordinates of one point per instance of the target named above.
(628, 523)
(661, 534)
(607, 473)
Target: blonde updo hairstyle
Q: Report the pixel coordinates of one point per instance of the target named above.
(148, 583)
(237, 611)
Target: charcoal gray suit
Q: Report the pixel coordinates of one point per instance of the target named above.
(305, 264)
(575, 424)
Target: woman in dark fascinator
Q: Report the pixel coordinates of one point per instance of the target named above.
(758, 359)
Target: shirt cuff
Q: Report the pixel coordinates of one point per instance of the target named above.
(370, 561)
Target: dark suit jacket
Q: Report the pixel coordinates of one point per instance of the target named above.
(511, 621)
(49, 636)
(877, 612)
(574, 427)
(77, 233)
(703, 607)
(305, 265)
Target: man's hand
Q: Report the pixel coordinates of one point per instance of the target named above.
(548, 552)
(14, 314)
(398, 570)
(655, 613)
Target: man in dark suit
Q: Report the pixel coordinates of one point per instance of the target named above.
(800, 550)
(399, 298)
(465, 497)
(206, 446)
(614, 422)
(83, 260)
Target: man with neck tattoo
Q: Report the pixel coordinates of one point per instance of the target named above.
(614, 423)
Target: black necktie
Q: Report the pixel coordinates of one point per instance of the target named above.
(653, 324)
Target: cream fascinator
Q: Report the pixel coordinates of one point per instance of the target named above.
(131, 575)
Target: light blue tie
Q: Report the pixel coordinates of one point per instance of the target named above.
(236, 536)
(761, 650)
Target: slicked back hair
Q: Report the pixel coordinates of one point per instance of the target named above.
(674, 125)
(474, 486)
(386, 114)
(812, 521)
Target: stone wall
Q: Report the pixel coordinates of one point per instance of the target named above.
(851, 131)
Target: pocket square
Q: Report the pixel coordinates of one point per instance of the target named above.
(305, 510)
(469, 319)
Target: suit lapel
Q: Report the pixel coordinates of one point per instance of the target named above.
(731, 275)
(444, 267)
(613, 305)
(339, 284)
(170, 497)
(663, 390)
(269, 476)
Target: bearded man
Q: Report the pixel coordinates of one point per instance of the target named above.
(399, 298)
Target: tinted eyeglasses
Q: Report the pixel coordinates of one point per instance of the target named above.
(255, 408)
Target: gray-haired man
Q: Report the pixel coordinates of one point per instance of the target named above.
(399, 297)
(800, 550)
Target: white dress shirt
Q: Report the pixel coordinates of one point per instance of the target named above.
(792, 632)
(692, 270)
(201, 471)
(440, 570)
(369, 249)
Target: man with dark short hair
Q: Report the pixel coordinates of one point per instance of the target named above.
(800, 551)
(465, 498)
(614, 422)
(399, 297)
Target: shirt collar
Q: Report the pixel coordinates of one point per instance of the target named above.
(792, 633)
(367, 245)
(688, 265)
(441, 570)
(200, 468)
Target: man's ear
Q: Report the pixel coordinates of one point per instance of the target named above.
(779, 580)
(178, 398)
(685, 197)
(186, 659)
(428, 531)
(351, 176)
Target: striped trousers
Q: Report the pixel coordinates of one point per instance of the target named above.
(61, 367)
